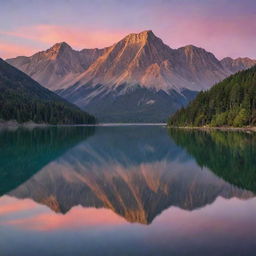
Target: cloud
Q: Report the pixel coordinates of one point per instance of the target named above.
(224, 36)
(76, 37)
(8, 50)
(10, 205)
(77, 218)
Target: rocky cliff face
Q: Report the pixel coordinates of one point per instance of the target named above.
(57, 66)
(145, 60)
(138, 59)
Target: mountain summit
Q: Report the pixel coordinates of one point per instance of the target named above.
(57, 66)
(145, 60)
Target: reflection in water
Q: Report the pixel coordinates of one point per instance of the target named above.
(230, 155)
(23, 152)
(93, 176)
(136, 172)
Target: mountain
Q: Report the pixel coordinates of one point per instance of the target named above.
(136, 172)
(145, 60)
(138, 79)
(57, 66)
(235, 65)
(138, 196)
(231, 102)
(23, 99)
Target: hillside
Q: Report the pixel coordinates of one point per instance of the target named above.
(23, 99)
(231, 102)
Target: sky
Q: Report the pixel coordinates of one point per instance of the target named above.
(223, 27)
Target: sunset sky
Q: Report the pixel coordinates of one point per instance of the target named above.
(224, 27)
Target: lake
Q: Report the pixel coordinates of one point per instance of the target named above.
(127, 190)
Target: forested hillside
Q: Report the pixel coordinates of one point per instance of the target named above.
(22, 99)
(231, 102)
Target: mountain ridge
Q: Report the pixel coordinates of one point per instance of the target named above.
(107, 81)
(162, 57)
(56, 66)
(144, 59)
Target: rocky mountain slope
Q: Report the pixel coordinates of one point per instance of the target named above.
(57, 66)
(145, 60)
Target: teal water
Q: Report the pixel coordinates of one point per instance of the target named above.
(128, 190)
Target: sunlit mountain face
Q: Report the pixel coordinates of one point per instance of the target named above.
(121, 184)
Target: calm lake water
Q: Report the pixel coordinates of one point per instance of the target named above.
(127, 191)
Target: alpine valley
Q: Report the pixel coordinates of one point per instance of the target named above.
(138, 79)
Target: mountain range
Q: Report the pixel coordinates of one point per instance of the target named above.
(139, 78)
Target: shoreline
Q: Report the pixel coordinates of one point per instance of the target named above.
(222, 128)
(13, 124)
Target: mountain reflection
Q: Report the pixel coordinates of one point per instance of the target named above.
(23, 152)
(135, 171)
(230, 155)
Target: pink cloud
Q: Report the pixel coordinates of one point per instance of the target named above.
(76, 37)
(11, 205)
(221, 36)
(41, 218)
(8, 50)
(78, 217)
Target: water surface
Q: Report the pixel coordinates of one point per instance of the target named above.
(130, 190)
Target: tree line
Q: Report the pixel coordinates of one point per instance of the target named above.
(231, 102)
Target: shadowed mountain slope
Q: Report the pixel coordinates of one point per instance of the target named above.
(23, 99)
